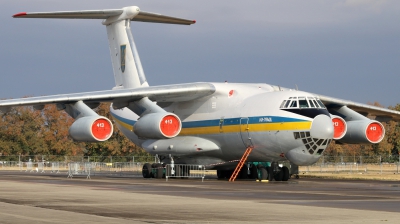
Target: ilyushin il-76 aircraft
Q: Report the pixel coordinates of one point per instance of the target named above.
(209, 124)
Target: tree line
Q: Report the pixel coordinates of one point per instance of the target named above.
(26, 131)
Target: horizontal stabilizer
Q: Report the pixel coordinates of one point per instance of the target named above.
(87, 14)
(107, 13)
(157, 18)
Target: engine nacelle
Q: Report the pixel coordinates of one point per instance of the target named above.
(363, 132)
(339, 127)
(158, 126)
(91, 129)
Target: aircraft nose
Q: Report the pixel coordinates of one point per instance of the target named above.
(322, 127)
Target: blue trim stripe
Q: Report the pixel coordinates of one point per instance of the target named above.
(226, 122)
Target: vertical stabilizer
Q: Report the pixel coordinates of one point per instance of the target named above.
(123, 62)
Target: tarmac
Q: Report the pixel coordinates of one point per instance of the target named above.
(54, 198)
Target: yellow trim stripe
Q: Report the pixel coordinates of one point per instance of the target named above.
(284, 126)
(251, 128)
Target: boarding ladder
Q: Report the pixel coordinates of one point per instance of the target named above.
(241, 163)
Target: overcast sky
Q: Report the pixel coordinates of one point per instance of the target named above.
(349, 49)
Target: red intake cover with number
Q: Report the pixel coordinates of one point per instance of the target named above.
(101, 129)
(374, 132)
(339, 126)
(170, 125)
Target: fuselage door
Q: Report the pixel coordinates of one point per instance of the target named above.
(244, 131)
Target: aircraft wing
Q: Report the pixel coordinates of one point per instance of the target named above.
(165, 93)
(382, 114)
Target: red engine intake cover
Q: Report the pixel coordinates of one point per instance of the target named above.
(340, 127)
(170, 126)
(101, 129)
(374, 132)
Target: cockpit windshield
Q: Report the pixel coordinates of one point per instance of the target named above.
(302, 102)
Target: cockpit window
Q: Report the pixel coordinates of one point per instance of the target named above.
(302, 102)
(320, 103)
(293, 104)
(311, 103)
(287, 104)
(316, 104)
(283, 104)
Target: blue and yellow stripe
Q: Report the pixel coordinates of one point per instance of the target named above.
(231, 125)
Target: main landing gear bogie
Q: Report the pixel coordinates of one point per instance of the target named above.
(159, 171)
(259, 172)
(155, 170)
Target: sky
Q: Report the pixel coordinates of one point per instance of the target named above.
(348, 49)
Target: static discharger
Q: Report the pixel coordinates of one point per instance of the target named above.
(101, 129)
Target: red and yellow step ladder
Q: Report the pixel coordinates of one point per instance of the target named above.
(241, 163)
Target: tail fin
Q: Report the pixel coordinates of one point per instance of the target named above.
(128, 70)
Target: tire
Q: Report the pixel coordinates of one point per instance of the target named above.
(159, 171)
(271, 173)
(253, 172)
(263, 174)
(146, 170)
(278, 176)
(243, 173)
(285, 173)
(221, 174)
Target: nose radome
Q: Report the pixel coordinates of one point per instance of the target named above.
(322, 127)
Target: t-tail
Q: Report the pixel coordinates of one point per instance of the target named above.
(127, 68)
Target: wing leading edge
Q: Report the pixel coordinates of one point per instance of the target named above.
(165, 93)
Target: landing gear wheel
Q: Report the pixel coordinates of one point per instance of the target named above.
(220, 174)
(278, 176)
(271, 173)
(285, 173)
(228, 173)
(146, 170)
(253, 172)
(243, 173)
(263, 174)
(159, 171)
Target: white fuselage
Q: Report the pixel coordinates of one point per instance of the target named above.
(237, 116)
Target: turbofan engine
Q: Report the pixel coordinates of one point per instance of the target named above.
(91, 129)
(357, 131)
(363, 132)
(158, 126)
